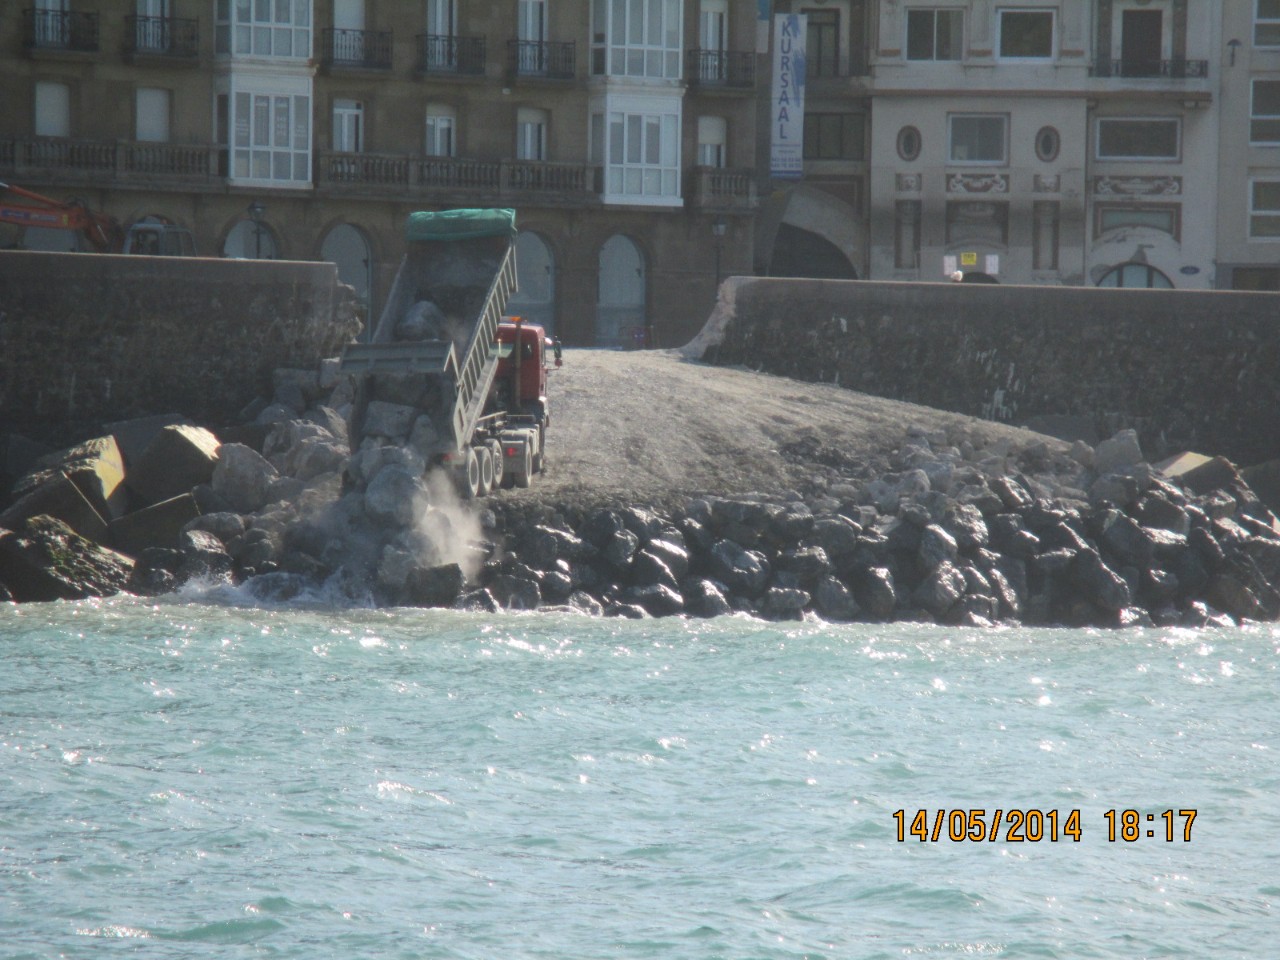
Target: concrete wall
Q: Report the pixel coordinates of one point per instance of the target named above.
(1188, 369)
(94, 338)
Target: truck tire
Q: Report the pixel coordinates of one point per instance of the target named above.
(539, 458)
(525, 473)
(469, 478)
(485, 458)
(499, 471)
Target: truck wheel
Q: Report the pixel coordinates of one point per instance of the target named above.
(485, 457)
(499, 467)
(525, 473)
(539, 458)
(470, 476)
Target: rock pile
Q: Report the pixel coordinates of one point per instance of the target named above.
(951, 534)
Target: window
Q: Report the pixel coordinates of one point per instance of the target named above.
(636, 38)
(711, 141)
(1264, 210)
(909, 143)
(151, 121)
(1266, 23)
(1138, 139)
(978, 138)
(906, 238)
(348, 126)
(1136, 275)
(441, 121)
(822, 43)
(270, 126)
(833, 136)
(263, 28)
(531, 134)
(934, 34)
(641, 146)
(1264, 125)
(1048, 143)
(53, 109)
(1026, 34)
(977, 221)
(1113, 216)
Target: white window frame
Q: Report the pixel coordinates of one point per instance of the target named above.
(1150, 158)
(639, 169)
(1267, 214)
(626, 44)
(260, 146)
(531, 134)
(441, 133)
(1266, 29)
(52, 109)
(250, 28)
(1053, 33)
(1271, 119)
(933, 53)
(713, 135)
(348, 126)
(1003, 160)
(144, 115)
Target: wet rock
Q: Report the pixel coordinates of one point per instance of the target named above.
(937, 547)
(941, 589)
(742, 571)
(834, 601)
(657, 599)
(516, 593)
(242, 477)
(44, 559)
(438, 586)
(703, 598)
(784, 603)
(877, 592)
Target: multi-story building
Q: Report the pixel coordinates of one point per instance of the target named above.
(622, 131)
(1033, 141)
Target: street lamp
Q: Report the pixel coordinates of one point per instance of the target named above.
(256, 211)
(718, 228)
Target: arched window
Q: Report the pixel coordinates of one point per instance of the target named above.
(347, 247)
(250, 240)
(620, 299)
(1135, 275)
(535, 295)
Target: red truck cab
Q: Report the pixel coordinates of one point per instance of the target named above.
(524, 361)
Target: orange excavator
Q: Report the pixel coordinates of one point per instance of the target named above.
(102, 233)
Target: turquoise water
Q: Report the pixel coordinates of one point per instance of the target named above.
(199, 780)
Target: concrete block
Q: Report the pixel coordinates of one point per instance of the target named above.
(159, 525)
(95, 466)
(58, 497)
(1264, 480)
(179, 458)
(133, 436)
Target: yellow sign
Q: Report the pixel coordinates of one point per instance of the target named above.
(968, 259)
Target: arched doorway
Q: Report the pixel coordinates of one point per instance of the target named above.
(620, 299)
(799, 253)
(535, 296)
(348, 248)
(250, 240)
(1133, 275)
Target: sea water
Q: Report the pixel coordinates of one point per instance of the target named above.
(196, 779)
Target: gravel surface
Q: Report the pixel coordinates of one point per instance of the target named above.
(652, 428)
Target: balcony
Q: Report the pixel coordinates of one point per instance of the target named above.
(450, 179)
(161, 38)
(356, 50)
(107, 162)
(1179, 69)
(59, 31)
(721, 189)
(448, 55)
(720, 68)
(540, 59)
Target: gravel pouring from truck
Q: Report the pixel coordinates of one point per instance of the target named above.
(476, 383)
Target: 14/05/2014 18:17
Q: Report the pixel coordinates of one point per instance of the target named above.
(1033, 825)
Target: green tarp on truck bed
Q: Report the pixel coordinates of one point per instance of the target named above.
(464, 224)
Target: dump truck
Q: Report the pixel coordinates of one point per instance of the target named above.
(476, 381)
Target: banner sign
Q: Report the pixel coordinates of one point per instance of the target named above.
(786, 157)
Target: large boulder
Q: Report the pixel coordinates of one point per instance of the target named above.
(44, 559)
(243, 477)
(178, 459)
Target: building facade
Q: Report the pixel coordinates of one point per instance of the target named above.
(622, 132)
(1072, 142)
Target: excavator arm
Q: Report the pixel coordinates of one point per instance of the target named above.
(102, 232)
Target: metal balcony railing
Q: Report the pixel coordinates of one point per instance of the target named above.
(60, 30)
(162, 36)
(721, 188)
(449, 54)
(539, 58)
(1178, 69)
(723, 68)
(357, 49)
(420, 177)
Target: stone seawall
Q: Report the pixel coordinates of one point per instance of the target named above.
(1187, 369)
(88, 337)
